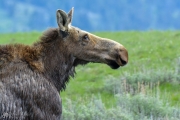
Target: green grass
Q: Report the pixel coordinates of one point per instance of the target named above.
(25, 38)
(154, 50)
(171, 92)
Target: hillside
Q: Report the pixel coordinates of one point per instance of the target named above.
(93, 15)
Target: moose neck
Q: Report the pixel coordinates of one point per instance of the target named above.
(58, 67)
(57, 61)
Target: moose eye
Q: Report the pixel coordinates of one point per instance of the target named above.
(86, 37)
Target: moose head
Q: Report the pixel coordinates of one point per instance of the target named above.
(86, 47)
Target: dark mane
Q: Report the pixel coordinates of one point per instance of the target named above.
(49, 35)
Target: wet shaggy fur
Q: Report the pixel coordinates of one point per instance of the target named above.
(32, 76)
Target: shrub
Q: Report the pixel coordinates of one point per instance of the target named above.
(144, 107)
(134, 101)
(128, 107)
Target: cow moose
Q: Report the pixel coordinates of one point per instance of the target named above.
(31, 76)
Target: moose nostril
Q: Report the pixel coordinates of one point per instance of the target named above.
(123, 61)
(123, 55)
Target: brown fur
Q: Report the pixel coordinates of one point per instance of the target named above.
(31, 77)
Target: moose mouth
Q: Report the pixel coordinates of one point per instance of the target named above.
(113, 64)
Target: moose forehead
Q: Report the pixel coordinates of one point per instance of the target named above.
(85, 38)
(77, 30)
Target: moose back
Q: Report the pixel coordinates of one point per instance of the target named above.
(31, 77)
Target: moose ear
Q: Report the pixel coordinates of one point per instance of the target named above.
(70, 15)
(62, 19)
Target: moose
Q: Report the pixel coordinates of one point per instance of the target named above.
(31, 76)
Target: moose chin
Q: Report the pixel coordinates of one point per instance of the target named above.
(31, 77)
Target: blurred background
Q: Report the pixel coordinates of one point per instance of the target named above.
(91, 15)
(147, 88)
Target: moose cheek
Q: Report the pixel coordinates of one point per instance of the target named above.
(84, 43)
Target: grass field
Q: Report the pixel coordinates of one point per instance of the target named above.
(148, 51)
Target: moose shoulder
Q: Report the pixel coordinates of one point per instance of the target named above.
(31, 77)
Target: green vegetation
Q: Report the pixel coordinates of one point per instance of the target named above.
(147, 88)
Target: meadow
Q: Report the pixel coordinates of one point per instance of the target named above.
(147, 88)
